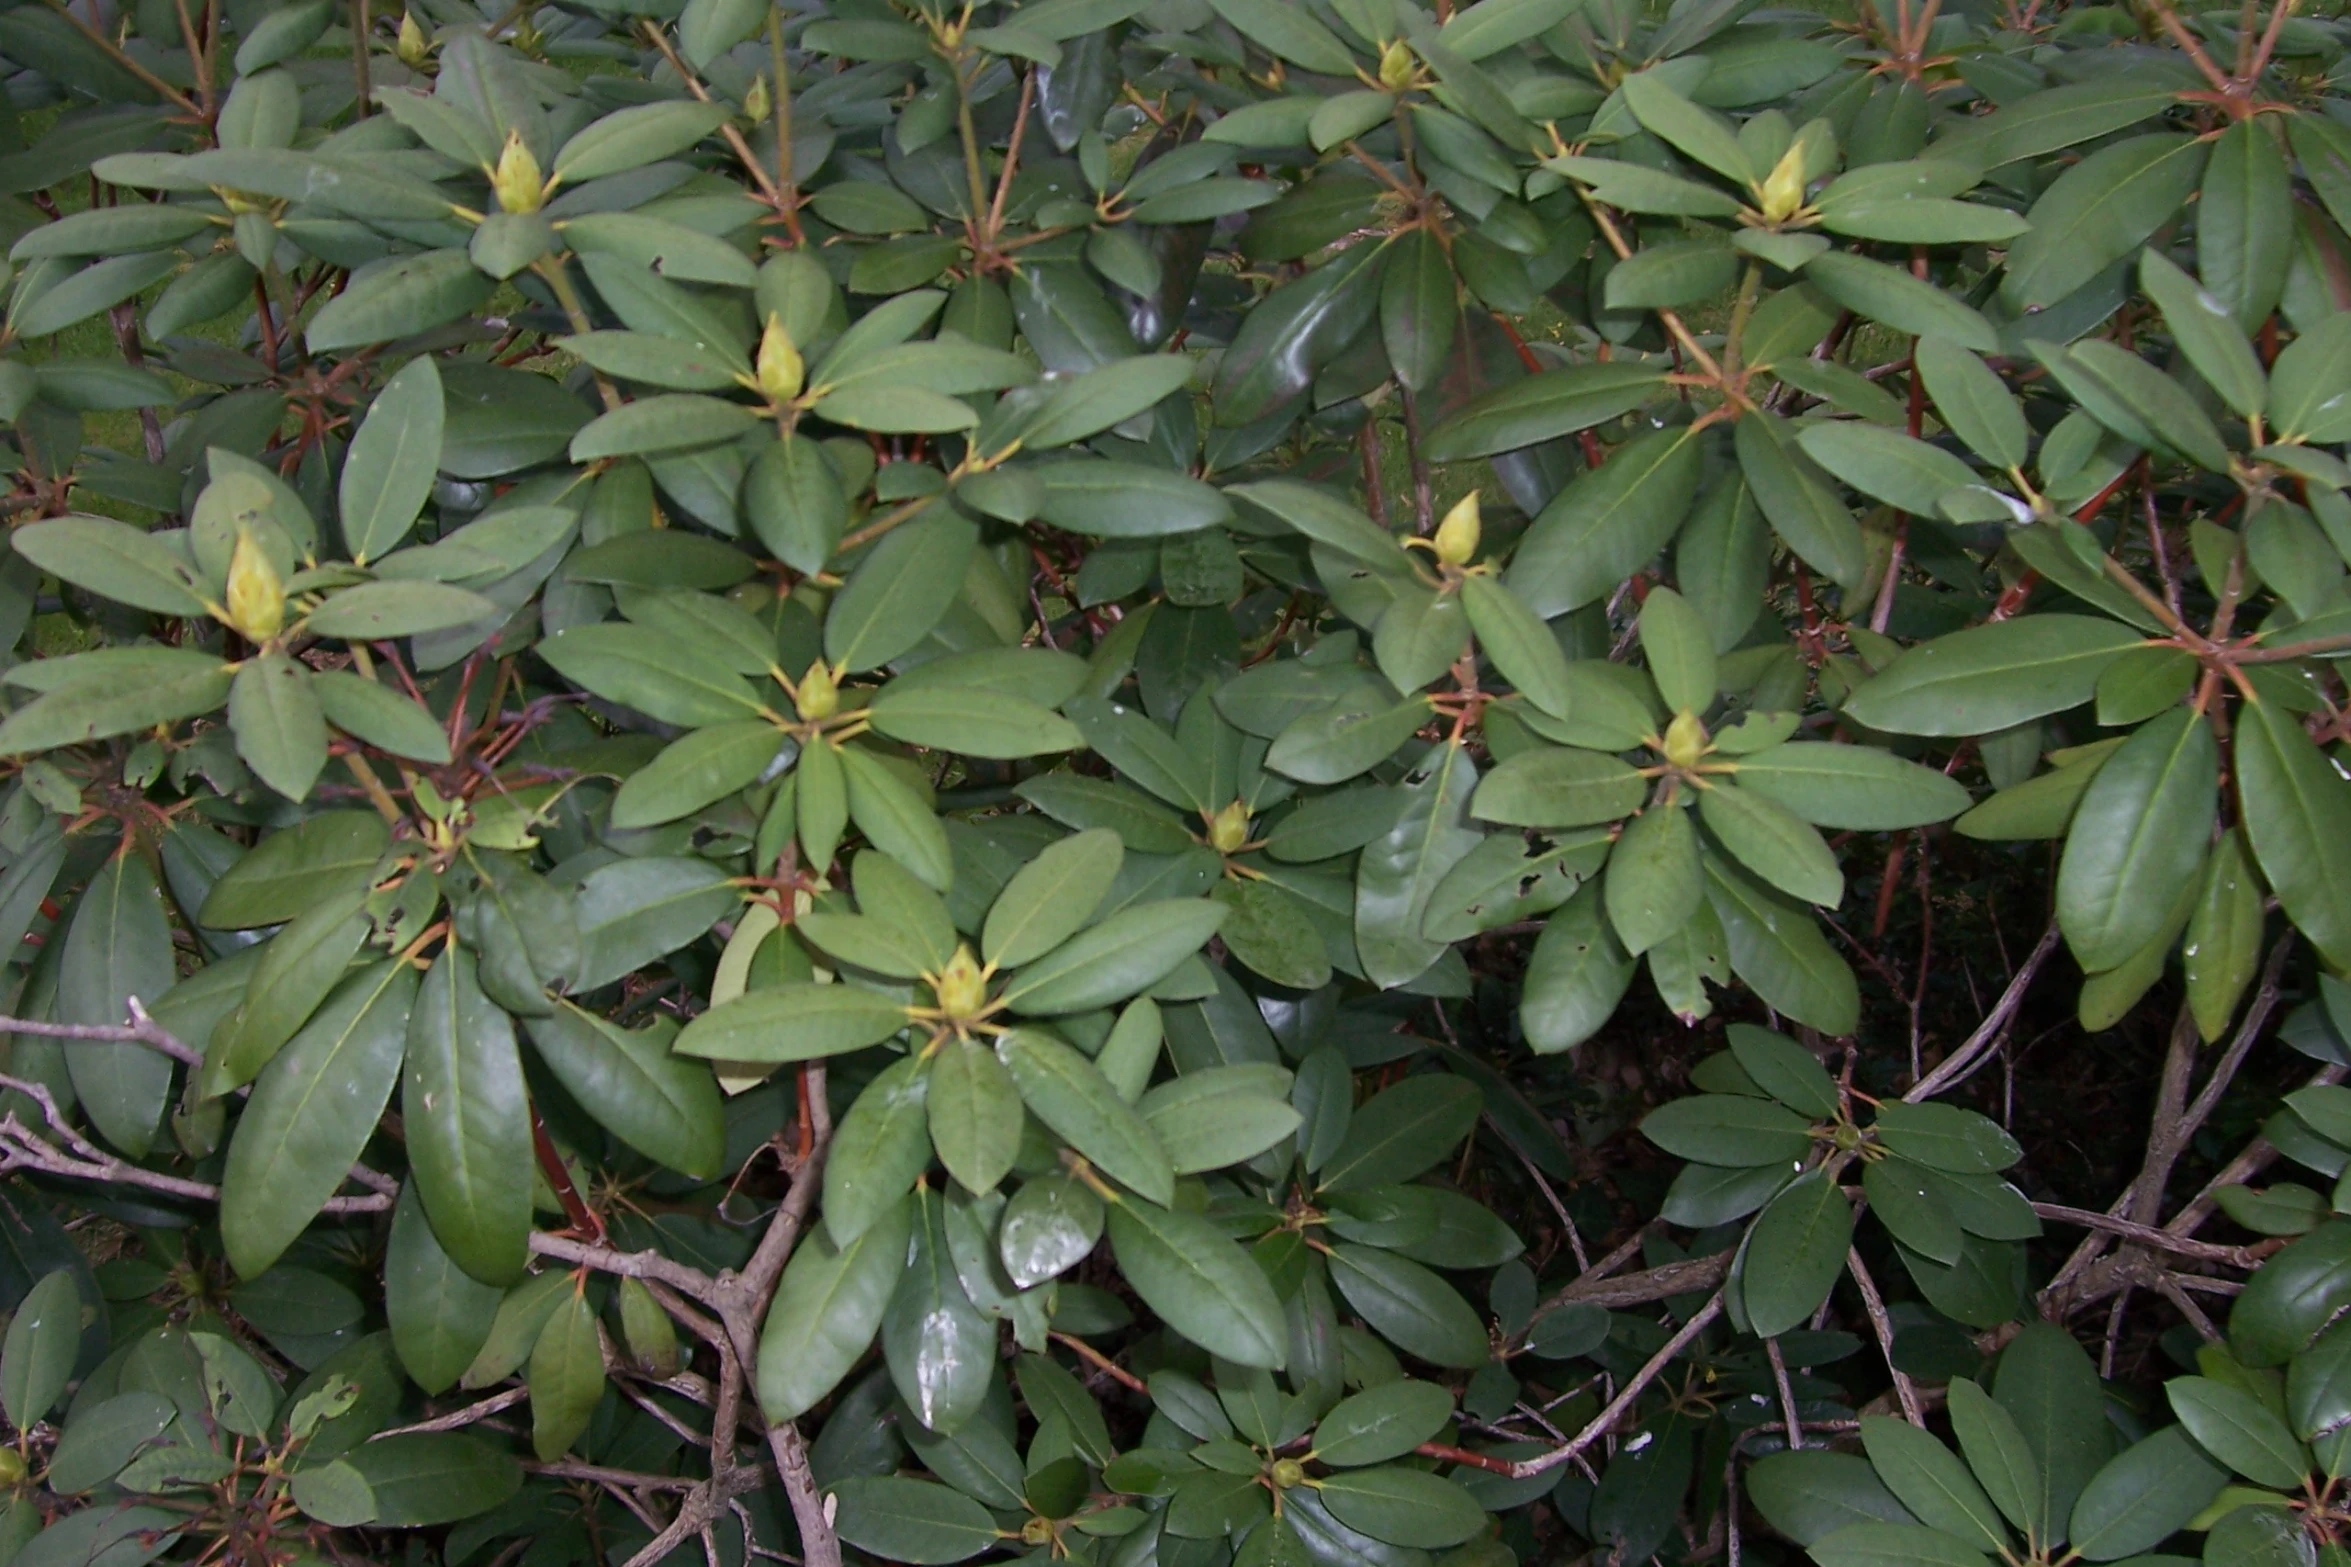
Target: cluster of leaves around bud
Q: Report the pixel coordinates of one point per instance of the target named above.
(955, 697)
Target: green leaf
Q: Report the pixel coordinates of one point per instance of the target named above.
(1605, 525)
(666, 1108)
(899, 590)
(667, 423)
(1769, 840)
(2239, 1430)
(2097, 212)
(44, 1340)
(2138, 834)
(389, 472)
(1691, 130)
(281, 731)
(2297, 818)
(117, 950)
(1328, 520)
(2054, 119)
(2002, 1460)
(423, 1478)
(1932, 1483)
(1635, 187)
(633, 137)
(1400, 869)
(1894, 1545)
(384, 719)
(1542, 407)
(1991, 677)
(375, 611)
(1680, 651)
(1297, 328)
(1797, 499)
(1520, 644)
(1290, 33)
(1785, 1070)
(915, 1521)
(1945, 1137)
(288, 871)
(2136, 401)
(1795, 1253)
(1206, 1121)
(2143, 1496)
(400, 297)
(1850, 786)
(2224, 938)
(1407, 1507)
(299, 967)
(1556, 787)
(1893, 297)
(970, 721)
(1653, 883)
(1119, 500)
(1810, 1493)
(2245, 224)
(1121, 956)
(798, 1022)
(1419, 311)
(115, 560)
(975, 1115)
(2051, 1385)
(1905, 1198)
(1781, 953)
(105, 1438)
(826, 1311)
(440, 1315)
(1383, 1422)
(2206, 331)
(2305, 387)
(698, 770)
(311, 1113)
(467, 1117)
(940, 1349)
(882, 1148)
(1887, 465)
(1409, 1305)
(1050, 1226)
(1347, 738)
(1070, 1095)
(1202, 1285)
(566, 1377)
(1974, 401)
(656, 675)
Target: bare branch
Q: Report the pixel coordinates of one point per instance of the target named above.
(140, 1030)
(1883, 1327)
(1605, 1421)
(1960, 1064)
(457, 1419)
(2162, 1240)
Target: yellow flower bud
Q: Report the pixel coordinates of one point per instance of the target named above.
(1228, 829)
(1288, 1473)
(1783, 188)
(1685, 739)
(780, 367)
(516, 181)
(411, 47)
(1457, 536)
(756, 103)
(1396, 66)
(1036, 1531)
(960, 987)
(257, 597)
(819, 696)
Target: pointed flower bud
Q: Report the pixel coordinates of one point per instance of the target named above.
(1457, 536)
(780, 367)
(256, 595)
(757, 104)
(411, 46)
(961, 989)
(517, 181)
(1685, 739)
(1228, 829)
(1395, 66)
(1783, 188)
(819, 696)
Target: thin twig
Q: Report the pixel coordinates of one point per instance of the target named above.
(1605, 1421)
(1883, 1327)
